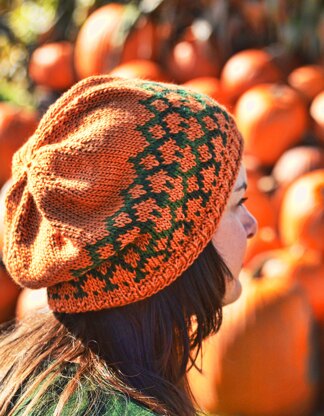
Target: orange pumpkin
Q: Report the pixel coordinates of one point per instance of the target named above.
(297, 161)
(252, 166)
(16, 125)
(93, 47)
(258, 202)
(261, 207)
(191, 57)
(246, 69)
(31, 300)
(321, 349)
(262, 349)
(9, 292)
(139, 68)
(317, 114)
(308, 80)
(209, 86)
(142, 41)
(96, 51)
(301, 217)
(271, 117)
(297, 264)
(51, 65)
(3, 191)
(292, 164)
(265, 239)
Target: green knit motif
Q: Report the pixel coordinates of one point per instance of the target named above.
(176, 176)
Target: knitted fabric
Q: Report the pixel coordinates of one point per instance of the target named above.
(118, 191)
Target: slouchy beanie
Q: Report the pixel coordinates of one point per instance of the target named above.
(118, 191)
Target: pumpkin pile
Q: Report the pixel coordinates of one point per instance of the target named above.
(263, 348)
(16, 125)
(270, 336)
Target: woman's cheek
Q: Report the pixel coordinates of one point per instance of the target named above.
(230, 241)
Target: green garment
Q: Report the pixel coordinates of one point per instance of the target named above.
(106, 403)
(111, 406)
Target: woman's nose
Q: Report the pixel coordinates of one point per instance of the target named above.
(251, 225)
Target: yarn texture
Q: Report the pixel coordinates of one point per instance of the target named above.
(118, 191)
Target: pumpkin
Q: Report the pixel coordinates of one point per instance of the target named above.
(297, 264)
(258, 202)
(317, 114)
(297, 161)
(272, 118)
(301, 218)
(51, 65)
(308, 80)
(93, 47)
(292, 164)
(96, 50)
(139, 68)
(321, 349)
(209, 86)
(246, 69)
(261, 207)
(31, 300)
(191, 57)
(265, 239)
(142, 42)
(3, 192)
(9, 292)
(263, 348)
(16, 125)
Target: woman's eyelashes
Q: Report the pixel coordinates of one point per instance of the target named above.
(242, 201)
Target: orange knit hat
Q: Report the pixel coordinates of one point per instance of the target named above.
(118, 191)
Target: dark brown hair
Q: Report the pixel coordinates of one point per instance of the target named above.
(142, 350)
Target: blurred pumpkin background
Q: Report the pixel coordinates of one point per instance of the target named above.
(264, 61)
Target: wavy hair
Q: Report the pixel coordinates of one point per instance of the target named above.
(141, 350)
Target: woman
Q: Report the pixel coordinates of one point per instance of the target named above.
(120, 204)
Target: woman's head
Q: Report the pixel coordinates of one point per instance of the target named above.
(120, 204)
(119, 190)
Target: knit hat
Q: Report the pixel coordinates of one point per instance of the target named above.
(118, 191)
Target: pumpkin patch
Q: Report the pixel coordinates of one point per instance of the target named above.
(192, 57)
(96, 51)
(210, 86)
(8, 295)
(296, 264)
(317, 114)
(139, 68)
(267, 330)
(301, 217)
(51, 65)
(263, 61)
(272, 118)
(16, 125)
(308, 80)
(246, 69)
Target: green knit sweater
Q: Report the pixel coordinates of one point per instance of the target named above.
(106, 403)
(111, 406)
